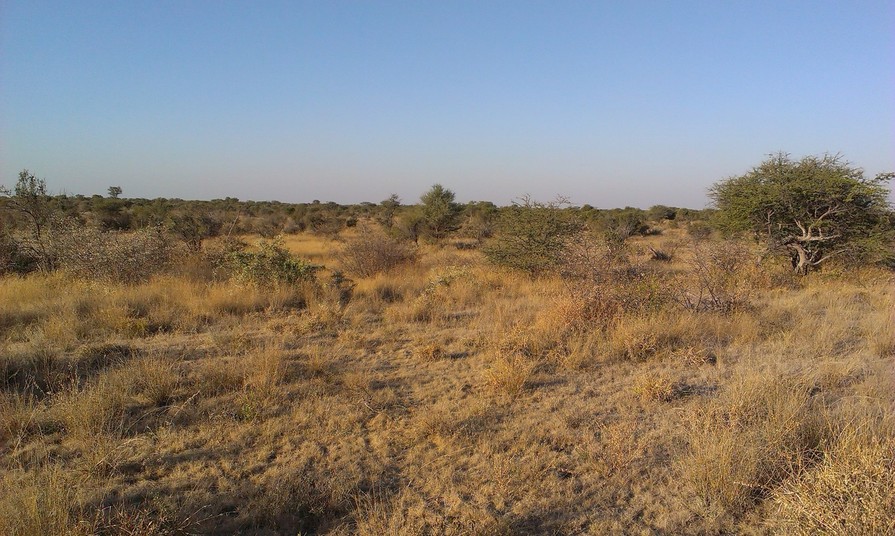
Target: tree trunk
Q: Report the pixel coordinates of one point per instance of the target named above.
(800, 261)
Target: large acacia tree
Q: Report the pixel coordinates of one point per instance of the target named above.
(815, 209)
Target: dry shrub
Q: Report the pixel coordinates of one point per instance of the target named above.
(388, 293)
(139, 520)
(218, 378)
(96, 356)
(29, 367)
(230, 339)
(50, 500)
(446, 290)
(233, 299)
(599, 304)
(620, 445)
(291, 502)
(378, 512)
(509, 374)
(761, 431)
(852, 491)
(583, 308)
(882, 338)
(25, 301)
(639, 338)
(113, 256)
(578, 352)
(372, 252)
(723, 277)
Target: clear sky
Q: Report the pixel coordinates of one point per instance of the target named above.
(609, 103)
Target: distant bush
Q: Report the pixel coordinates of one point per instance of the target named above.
(192, 228)
(532, 236)
(372, 252)
(699, 230)
(659, 213)
(270, 266)
(325, 223)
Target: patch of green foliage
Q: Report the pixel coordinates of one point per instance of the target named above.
(270, 266)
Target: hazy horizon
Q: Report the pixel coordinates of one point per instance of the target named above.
(608, 104)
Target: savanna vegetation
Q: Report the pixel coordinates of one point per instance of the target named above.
(218, 367)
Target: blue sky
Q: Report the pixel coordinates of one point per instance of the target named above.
(609, 103)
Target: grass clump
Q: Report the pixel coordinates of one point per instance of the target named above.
(852, 491)
(762, 431)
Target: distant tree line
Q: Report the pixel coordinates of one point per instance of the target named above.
(815, 209)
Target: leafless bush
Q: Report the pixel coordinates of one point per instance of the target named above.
(722, 277)
(113, 256)
(13, 256)
(372, 252)
(602, 284)
(586, 257)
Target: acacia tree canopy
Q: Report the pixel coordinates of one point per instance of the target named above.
(814, 209)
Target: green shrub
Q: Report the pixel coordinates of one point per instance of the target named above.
(270, 266)
(532, 236)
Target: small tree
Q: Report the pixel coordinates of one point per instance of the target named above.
(115, 191)
(388, 208)
(815, 209)
(29, 199)
(440, 213)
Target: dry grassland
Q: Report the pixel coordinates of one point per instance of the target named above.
(448, 397)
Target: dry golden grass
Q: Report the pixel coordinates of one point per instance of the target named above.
(852, 491)
(654, 387)
(762, 430)
(446, 397)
